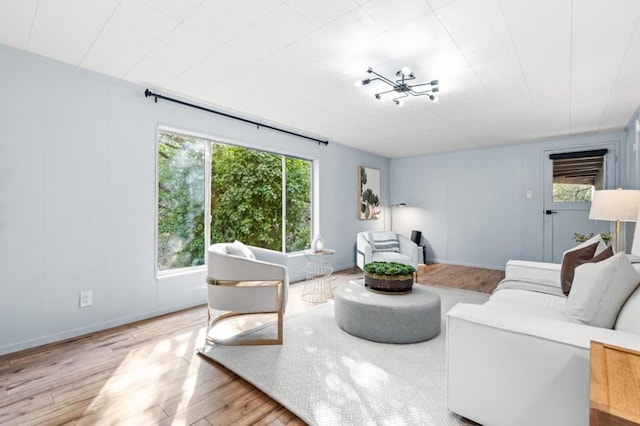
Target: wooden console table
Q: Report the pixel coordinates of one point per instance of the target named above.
(615, 386)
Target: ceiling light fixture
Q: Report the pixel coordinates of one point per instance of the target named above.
(402, 86)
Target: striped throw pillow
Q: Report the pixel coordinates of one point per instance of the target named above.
(384, 241)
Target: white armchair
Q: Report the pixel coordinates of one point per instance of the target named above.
(243, 285)
(408, 251)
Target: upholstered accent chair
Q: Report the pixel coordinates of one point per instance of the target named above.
(386, 246)
(245, 280)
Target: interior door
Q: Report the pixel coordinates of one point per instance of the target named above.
(564, 218)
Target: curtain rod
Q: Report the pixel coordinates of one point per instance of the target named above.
(156, 96)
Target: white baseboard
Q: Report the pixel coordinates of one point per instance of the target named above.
(69, 334)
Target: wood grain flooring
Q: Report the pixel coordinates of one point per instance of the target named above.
(464, 277)
(148, 372)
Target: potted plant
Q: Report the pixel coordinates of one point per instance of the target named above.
(389, 277)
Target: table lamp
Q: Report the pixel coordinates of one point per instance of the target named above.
(619, 205)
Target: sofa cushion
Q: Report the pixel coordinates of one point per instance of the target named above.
(389, 256)
(574, 258)
(533, 270)
(384, 241)
(540, 311)
(518, 297)
(600, 289)
(629, 316)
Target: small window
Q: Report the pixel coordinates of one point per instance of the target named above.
(577, 174)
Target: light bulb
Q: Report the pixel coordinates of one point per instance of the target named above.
(406, 71)
(399, 103)
(358, 83)
(434, 98)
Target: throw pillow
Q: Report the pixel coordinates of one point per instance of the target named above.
(574, 258)
(600, 289)
(571, 260)
(385, 241)
(595, 239)
(239, 249)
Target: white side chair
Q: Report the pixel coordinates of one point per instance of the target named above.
(242, 285)
(366, 251)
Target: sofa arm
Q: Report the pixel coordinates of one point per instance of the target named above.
(363, 251)
(533, 270)
(535, 370)
(270, 256)
(409, 248)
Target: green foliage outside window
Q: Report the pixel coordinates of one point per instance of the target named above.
(180, 202)
(298, 222)
(571, 192)
(246, 200)
(246, 197)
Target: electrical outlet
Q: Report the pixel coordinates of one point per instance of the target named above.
(86, 298)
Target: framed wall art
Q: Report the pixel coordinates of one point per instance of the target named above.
(368, 193)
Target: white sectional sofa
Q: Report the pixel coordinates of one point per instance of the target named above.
(519, 360)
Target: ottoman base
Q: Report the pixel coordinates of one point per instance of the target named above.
(409, 318)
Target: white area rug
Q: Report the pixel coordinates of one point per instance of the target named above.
(327, 376)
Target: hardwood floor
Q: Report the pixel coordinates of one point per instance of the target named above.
(148, 372)
(464, 277)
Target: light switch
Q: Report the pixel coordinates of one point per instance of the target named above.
(528, 194)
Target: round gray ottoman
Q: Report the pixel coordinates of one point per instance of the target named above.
(407, 318)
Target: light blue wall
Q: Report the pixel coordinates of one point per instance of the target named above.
(78, 202)
(471, 205)
(78, 199)
(632, 176)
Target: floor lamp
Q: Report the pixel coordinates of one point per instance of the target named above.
(400, 205)
(619, 205)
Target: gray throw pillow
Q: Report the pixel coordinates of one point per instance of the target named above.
(600, 289)
(573, 259)
(385, 241)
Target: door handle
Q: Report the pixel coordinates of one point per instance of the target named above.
(550, 212)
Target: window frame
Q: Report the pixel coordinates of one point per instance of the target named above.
(210, 140)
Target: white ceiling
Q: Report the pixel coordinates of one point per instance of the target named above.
(510, 71)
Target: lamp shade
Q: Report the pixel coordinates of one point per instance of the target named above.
(615, 204)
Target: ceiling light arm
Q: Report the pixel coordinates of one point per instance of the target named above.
(397, 100)
(431, 83)
(404, 79)
(380, 77)
(377, 95)
(424, 92)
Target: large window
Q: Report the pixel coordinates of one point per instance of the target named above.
(257, 197)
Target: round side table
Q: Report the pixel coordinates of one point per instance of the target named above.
(318, 286)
